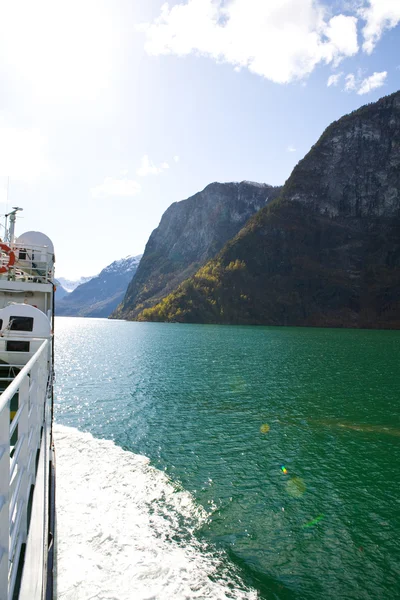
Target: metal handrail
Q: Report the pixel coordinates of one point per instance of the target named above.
(14, 386)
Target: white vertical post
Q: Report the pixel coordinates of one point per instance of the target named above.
(36, 418)
(4, 496)
(23, 431)
(39, 394)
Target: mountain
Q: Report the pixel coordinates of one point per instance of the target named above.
(190, 233)
(70, 285)
(61, 292)
(326, 252)
(100, 295)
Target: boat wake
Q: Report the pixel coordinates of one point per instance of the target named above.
(126, 532)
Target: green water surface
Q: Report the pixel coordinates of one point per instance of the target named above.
(288, 437)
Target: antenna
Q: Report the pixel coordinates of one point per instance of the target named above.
(13, 217)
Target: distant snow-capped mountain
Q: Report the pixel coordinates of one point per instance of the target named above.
(123, 265)
(70, 285)
(98, 296)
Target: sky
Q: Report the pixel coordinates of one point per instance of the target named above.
(111, 110)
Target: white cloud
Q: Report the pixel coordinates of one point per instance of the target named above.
(176, 159)
(111, 186)
(342, 33)
(372, 83)
(334, 79)
(122, 186)
(350, 84)
(291, 149)
(23, 154)
(366, 85)
(281, 40)
(379, 15)
(147, 167)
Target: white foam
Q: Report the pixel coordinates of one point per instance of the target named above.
(121, 525)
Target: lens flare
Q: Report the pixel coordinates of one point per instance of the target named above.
(314, 521)
(295, 487)
(264, 428)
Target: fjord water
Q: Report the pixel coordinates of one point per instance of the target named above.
(227, 462)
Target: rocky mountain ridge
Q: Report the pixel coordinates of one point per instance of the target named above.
(326, 252)
(190, 233)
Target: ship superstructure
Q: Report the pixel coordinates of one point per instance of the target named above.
(27, 467)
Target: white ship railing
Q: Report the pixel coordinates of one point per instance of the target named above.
(32, 263)
(19, 446)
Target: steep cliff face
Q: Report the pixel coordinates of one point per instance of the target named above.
(100, 295)
(326, 252)
(189, 234)
(353, 170)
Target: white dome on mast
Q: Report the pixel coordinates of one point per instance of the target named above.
(36, 238)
